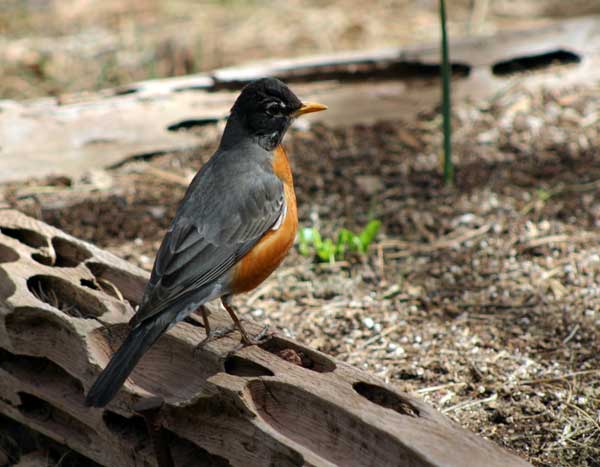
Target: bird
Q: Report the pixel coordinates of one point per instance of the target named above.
(232, 229)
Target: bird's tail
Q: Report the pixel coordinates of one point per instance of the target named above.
(139, 340)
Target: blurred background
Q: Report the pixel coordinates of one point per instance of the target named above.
(51, 47)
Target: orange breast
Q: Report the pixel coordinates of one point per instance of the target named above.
(269, 252)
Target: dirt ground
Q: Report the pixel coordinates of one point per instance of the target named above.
(483, 299)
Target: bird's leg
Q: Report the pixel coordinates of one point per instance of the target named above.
(263, 335)
(204, 315)
(246, 339)
(231, 310)
(210, 334)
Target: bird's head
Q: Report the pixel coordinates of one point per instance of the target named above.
(267, 107)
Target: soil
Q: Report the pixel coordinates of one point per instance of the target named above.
(482, 298)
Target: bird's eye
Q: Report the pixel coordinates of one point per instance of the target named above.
(275, 109)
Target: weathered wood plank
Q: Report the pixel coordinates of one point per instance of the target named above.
(279, 404)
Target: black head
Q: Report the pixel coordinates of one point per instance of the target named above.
(266, 108)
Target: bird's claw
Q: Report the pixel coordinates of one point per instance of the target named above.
(213, 336)
(260, 338)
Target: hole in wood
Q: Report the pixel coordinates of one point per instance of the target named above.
(293, 353)
(69, 254)
(7, 287)
(333, 431)
(535, 62)
(192, 123)
(104, 286)
(239, 366)
(187, 453)
(40, 372)
(362, 70)
(7, 254)
(52, 418)
(89, 284)
(28, 237)
(19, 443)
(35, 331)
(61, 294)
(125, 90)
(129, 286)
(168, 370)
(43, 258)
(386, 398)
(132, 429)
(144, 156)
(418, 70)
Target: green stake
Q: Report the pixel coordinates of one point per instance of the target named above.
(446, 75)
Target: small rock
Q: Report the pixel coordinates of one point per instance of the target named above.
(99, 179)
(157, 212)
(369, 184)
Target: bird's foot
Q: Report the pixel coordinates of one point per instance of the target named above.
(263, 336)
(213, 336)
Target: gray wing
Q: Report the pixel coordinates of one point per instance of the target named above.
(221, 217)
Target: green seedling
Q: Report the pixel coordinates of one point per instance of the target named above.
(310, 242)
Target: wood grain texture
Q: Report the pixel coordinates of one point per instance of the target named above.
(64, 305)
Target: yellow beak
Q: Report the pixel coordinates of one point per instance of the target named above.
(309, 107)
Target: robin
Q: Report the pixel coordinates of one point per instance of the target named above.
(234, 226)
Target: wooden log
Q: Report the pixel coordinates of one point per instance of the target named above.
(64, 305)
